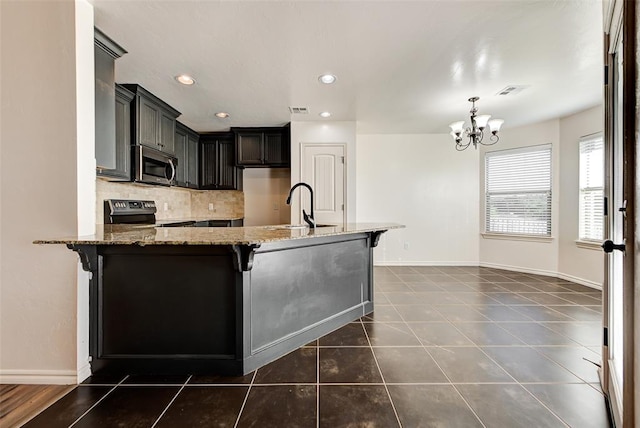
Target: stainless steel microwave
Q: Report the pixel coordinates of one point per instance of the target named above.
(154, 167)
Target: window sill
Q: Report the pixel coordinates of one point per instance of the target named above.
(508, 237)
(589, 245)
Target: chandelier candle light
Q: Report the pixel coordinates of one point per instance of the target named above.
(475, 133)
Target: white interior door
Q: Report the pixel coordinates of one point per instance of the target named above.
(323, 167)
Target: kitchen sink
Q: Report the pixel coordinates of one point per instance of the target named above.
(295, 226)
(287, 226)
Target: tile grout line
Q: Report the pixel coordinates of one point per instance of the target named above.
(510, 375)
(171, 402)
(375, 358)
(246, 397)
(545, 406)
(447, 376)
(318, 383)
(98, 402)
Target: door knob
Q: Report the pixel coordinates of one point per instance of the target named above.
(608, 246)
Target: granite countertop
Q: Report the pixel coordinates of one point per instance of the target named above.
(252, 235)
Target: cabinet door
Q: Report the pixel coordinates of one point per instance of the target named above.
(249, 146)
(105, 138)
(123, 137)
(274, 153)
(148, 126)
(180, 142)
(208, 167)
(167, 132)
(122, 170)
(192, 161)
(227, 171)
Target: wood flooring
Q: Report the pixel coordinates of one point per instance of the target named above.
(20, 403)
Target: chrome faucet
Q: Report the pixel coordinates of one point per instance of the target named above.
(307, 217)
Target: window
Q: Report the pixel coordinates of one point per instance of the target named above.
(591, 217)
(518, 191)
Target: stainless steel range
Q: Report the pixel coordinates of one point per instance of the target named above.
(122, 211)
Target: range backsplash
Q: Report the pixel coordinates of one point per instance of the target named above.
(173, 202)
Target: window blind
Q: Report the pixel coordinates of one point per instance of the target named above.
(591, 205)
(518, 191)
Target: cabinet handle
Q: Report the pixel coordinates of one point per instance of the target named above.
(173, 171)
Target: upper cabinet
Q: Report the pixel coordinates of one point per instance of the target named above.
(217, 162)
(263, 147)
(122, 170)
(153, 120)
(186, 150)
(108, 159)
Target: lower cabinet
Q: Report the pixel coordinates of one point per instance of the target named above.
(218, 169)
(186, 150)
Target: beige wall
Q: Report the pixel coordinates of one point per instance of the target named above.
(39, 186)
(265, 195)
(539, 256)
(420, 181)
(574, 261)
(559, 256)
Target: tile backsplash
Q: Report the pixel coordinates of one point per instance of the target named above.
(173, 202)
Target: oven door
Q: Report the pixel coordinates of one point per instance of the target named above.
(154, 166)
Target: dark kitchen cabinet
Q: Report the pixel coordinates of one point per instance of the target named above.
(263, 147)
(107, 107)
(186, 150)
(153, 120)
(122, 170)
(218, 170)
(193, 154)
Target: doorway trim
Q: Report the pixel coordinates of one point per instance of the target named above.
(344, 147)
(620, 20)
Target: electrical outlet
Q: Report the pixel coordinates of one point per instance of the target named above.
(210, 207)
(166, 206)
(275, 206)
(406, 246)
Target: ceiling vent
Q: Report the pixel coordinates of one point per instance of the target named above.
(299, 110)
(512, 89)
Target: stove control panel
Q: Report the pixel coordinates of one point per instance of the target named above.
(129, 211)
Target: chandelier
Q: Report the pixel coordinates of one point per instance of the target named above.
(475, 133)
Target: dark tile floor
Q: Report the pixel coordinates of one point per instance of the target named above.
(445, 347)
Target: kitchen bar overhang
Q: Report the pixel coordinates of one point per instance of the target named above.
(222, 301)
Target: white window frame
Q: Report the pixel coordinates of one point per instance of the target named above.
(526, 230)
(586, 239)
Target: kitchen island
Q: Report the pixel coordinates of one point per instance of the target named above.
(220, 300)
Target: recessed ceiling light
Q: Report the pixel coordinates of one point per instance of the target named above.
(325, 114)
(327, 78)
(222, 115)
(185, 79)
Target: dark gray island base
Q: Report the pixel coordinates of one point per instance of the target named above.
(222, 309)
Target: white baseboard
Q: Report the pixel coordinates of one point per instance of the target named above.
(84, 372)
(552, 274)
(39, 377)
(581, 281)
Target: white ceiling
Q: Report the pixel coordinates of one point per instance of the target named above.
(402, 66)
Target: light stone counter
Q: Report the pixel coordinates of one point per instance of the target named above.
(254, 235)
